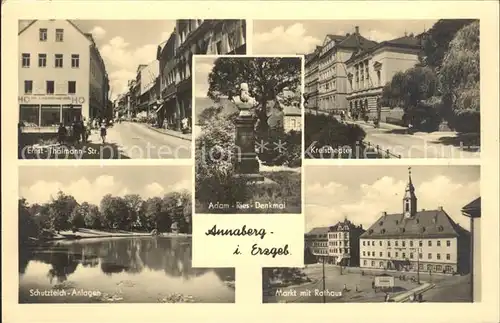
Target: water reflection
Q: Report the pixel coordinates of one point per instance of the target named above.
(85, 262)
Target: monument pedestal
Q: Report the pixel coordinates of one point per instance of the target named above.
(246, 164)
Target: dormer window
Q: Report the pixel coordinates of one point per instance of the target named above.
(382, 231)
(422, 229)
(397, 222)
(440, 228)
(381, 223)
(370, 231)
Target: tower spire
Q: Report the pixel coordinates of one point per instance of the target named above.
(409, 199)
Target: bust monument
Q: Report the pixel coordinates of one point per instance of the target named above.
(246, 163)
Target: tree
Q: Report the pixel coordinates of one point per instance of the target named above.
(178, 207)
(460, 74)
(77, 217)
(152, 213)
(92, 216)
(114, 212)
(438, 38)
(60, 209)
(266, 78)
(27, 226)
(135, 206)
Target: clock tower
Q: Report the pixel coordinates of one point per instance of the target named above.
(409, 199)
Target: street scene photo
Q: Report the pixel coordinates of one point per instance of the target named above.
(120, 234)
(248, 134)
(386, 234)
(384, 88)
(113, 89)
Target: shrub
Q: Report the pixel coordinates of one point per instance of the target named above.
(323, 131)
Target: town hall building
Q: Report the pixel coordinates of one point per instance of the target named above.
(425, 240)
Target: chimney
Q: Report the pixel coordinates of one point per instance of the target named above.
(384, 214)
(440, 208)
(356, 30)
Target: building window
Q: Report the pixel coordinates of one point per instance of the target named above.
(411, 243)
(429, 256)
(59, 35)
(380, 243)
(439, 243)
(439, 268)
(396, 255)
(364, 262)
(28, 87)
(411, 255)
(407, 206)
(373, 263)
(381, 264)
(420, 243)
(403, 255)
(50, 87)
(448, 268)
(29, 115)
(59, 60)
(363, 253)
(429, 243)
(42, 32)
(388, 243)
(379, 80)
(448, 243)
(26, 60)
(380, 253)
(420, 255)
(389, 255)
(50, 115)
(396, 243)
(438, 256)
(218, 46)
(429, 267)
(75, 60)
(403, 243)
(42, 60)
(373, 243)
(448, 256)
(71, 87)
(421, 266)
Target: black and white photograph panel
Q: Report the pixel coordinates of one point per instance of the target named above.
(248, 134)
(113, 89)
(386, 234)
(384, 88)
(111, 235)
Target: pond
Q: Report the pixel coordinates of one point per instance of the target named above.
(123, 270)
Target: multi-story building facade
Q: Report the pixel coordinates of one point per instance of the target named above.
(292, 118)
(426, 240)
(317, 242)
(337, 244)
(370, 69)
(332, 78)
(169, 110)
(62, 77)
(311, 78)
(148, 85)
(198, 36)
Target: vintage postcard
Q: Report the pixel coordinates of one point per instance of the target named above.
(248, 134)
(384, 88)
(113, 89)
(388, 234)
(118, 234)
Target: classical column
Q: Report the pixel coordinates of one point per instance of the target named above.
(246, 163)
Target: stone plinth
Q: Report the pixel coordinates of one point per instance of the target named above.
(246, 164)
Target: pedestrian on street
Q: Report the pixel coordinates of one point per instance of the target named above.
(61, 134)
(103, 131)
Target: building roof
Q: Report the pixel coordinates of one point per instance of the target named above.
(424, 224)
(340, 226)
(69, 21)
(473, 209)
(356, 41)
(318, 231)
(401, 42)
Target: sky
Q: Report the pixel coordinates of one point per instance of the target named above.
(302, 36)
(203, 66)
(361, 193)
(90, 183)
(124, 44)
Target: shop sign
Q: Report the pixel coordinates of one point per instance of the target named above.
(26, 99)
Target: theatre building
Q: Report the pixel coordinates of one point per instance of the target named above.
(62, 76)
(411, 240)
